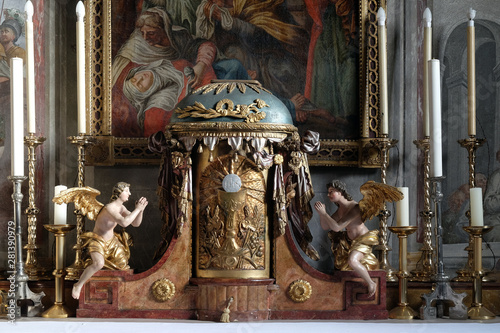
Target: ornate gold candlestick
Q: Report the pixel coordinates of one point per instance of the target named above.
(425, 267)
(58, 310)
(75, 270)
(477, 311)
(33, 269)
(403, 310)
(384, 144)
(471, 144)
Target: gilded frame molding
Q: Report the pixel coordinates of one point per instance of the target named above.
(110, 150)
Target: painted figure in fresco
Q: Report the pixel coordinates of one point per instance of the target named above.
(491, 204)
(10, 30)
(107, 249)
(332, 66)
(264, 37)
(156, 38)
(455, 217)
(353, 247)
(157, 85)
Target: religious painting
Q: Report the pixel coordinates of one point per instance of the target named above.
(318, 57)
(12, 44)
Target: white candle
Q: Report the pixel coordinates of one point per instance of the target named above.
(403, 209)
(60, 211)
(17, 116)
(476, 207)
(435, 118)
(80, 56)
(382, 54)
(30, 67)
(471, 73)
(427, 56)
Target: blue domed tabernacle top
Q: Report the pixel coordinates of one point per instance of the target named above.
(232, 101)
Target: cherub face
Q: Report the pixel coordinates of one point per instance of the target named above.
(334, 194)
(125, 194)
(142, 80)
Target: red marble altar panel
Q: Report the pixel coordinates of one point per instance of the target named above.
(113, 294)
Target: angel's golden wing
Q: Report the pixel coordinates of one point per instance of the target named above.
(374, 197)
(84, 199)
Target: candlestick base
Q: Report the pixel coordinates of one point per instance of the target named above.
(403, 311)
(58, 310)
(477, 311)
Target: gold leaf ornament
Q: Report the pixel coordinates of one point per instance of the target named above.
(300, 291)
(163, 289)
(251, 113)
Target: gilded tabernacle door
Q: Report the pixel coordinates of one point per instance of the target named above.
(232, 232)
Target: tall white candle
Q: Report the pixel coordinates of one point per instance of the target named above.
(80, 56)
(382, 54)
(17, 116)
(60, 211)
(30, 67)
(476, 207)
(471, 73)
(403, 209)
(435, 119)
(427, 56)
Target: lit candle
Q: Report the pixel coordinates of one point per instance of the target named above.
(471, 73)
(403, 209)
(30, 67)
(476, 207)
(60, 211)
(17, 116)
(435, 118)
(382, 54)
(80, 72)
(427, 57)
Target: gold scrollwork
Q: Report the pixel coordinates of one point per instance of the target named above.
(231, 85)
(300, 291)
(225, 108)
(163, 289)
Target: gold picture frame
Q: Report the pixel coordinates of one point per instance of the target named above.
(110, 150)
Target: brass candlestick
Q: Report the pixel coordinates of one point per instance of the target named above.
(58, 310)
(425, 269)
(471, 144)
(75, 270)
(477, 311)
(23, 292)
(384, 144)
(33, 269)
(403, 310)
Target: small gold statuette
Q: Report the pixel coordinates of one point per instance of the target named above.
(163, 289)
(300, 291)
(224, 318)
(226, 108)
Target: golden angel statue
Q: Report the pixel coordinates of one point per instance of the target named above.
(107, 249)
(352, 248)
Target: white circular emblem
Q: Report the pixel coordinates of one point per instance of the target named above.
(231, 183)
